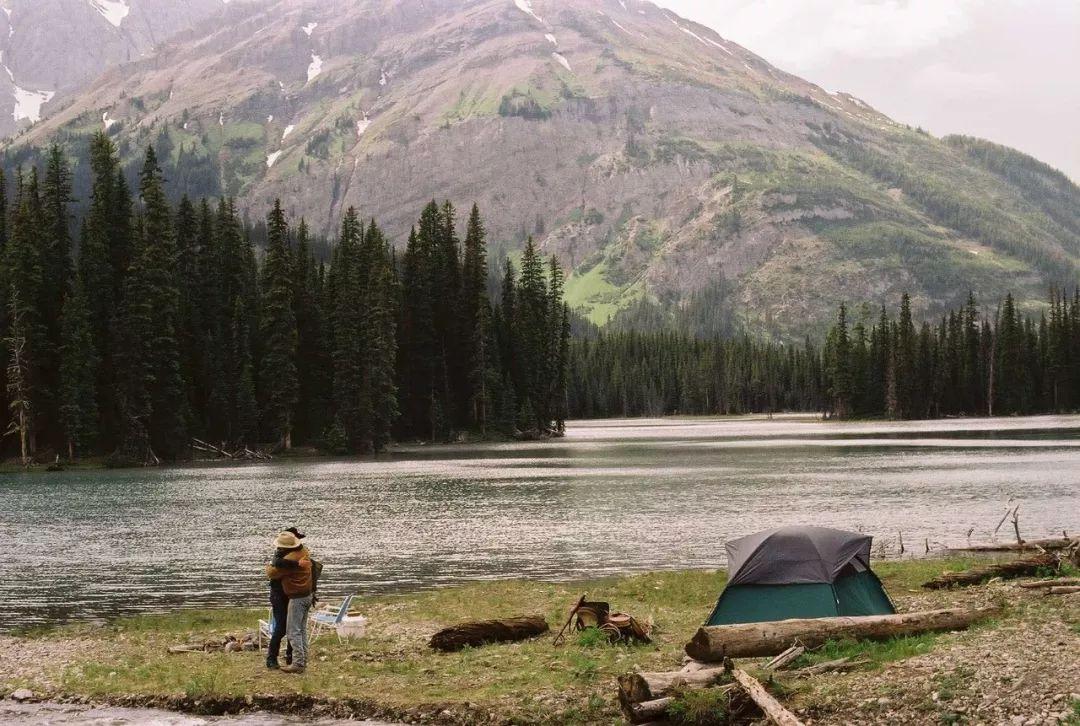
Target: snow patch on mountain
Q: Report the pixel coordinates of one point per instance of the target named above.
(112, 10)
(271, 158)
(309, 28)
(315, 68)
(526, 7)
(562, 61)
(362, 126)
(107, 122)
(383, 80)
(28, 103)
(288, 130)
(551, 38)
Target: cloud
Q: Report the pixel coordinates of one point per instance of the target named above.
(805, 33)
(940, 79)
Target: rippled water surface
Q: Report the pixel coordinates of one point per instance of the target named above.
(613, 496)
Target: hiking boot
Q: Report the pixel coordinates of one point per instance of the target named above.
(272, 664)
(292, 668)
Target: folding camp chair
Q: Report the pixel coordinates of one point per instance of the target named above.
(328, 617)
(266, 628)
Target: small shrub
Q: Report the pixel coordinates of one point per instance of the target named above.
(593, 638)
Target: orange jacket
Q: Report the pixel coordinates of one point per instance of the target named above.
(296, 582)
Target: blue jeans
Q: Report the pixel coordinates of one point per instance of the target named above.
(297, 628)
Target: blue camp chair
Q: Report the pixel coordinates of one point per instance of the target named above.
(328, 617)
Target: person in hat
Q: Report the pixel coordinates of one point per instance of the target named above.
(279, 605)
(293, 570)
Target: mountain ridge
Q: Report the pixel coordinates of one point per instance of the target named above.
(655, 157)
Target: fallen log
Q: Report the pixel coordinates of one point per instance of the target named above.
(785, 659)
(482, 632)
(769, 705)
(640, 713)
(1069, 590)
(639, 687)
(978, 575)
(755, 640)
(1059, 582)
(1049, 545)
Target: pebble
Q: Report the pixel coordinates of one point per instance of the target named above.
(22, 694)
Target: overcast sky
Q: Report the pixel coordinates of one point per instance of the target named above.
(1005, 70)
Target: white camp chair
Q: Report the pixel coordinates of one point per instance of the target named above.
(328, 617)
(266, 628)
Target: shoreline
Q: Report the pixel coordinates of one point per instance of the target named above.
(391, 674)
(978, 424)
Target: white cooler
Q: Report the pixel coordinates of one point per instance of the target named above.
(352, 626)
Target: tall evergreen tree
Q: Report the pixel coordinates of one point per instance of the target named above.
(278, 374)
(78, 376)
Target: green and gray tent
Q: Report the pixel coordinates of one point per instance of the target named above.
(799, 572)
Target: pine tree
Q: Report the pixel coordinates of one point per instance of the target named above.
(476, 322)
(23, 265)
(152, 398)
(19, 386)
(78, 376)
(278, 374)
(379, 326)
(352, 404)
(533, 331)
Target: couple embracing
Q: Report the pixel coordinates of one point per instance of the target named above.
(293, 576)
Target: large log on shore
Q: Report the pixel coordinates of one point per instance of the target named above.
(713, 643)
(1050, 545)
(977, 575)
(769, 705)
(488, 631)
(1059, 582)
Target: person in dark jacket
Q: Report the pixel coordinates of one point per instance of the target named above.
(279, 604)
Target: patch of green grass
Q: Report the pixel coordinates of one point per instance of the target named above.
(1074, 717)
(701, 708)
(874, 653)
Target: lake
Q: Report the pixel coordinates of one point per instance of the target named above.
(612, 497)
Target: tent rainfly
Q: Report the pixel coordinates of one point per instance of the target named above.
(799, 572)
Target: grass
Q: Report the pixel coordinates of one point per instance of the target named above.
(873, 654)
(528, 682)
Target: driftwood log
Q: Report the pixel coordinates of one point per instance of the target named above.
(1066, 590)
(481, 632)
(772, 708)
(754, 640)
(638, 687)
(1021, 567)
(647, 711)
(1059, 582)
(1049, 545)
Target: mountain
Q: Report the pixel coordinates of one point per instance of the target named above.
(656, 158)
(53, 49)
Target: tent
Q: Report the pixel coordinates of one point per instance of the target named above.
(799, 572)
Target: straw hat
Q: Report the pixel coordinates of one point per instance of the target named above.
(287, 541)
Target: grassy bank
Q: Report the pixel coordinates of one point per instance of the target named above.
(393, 673)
